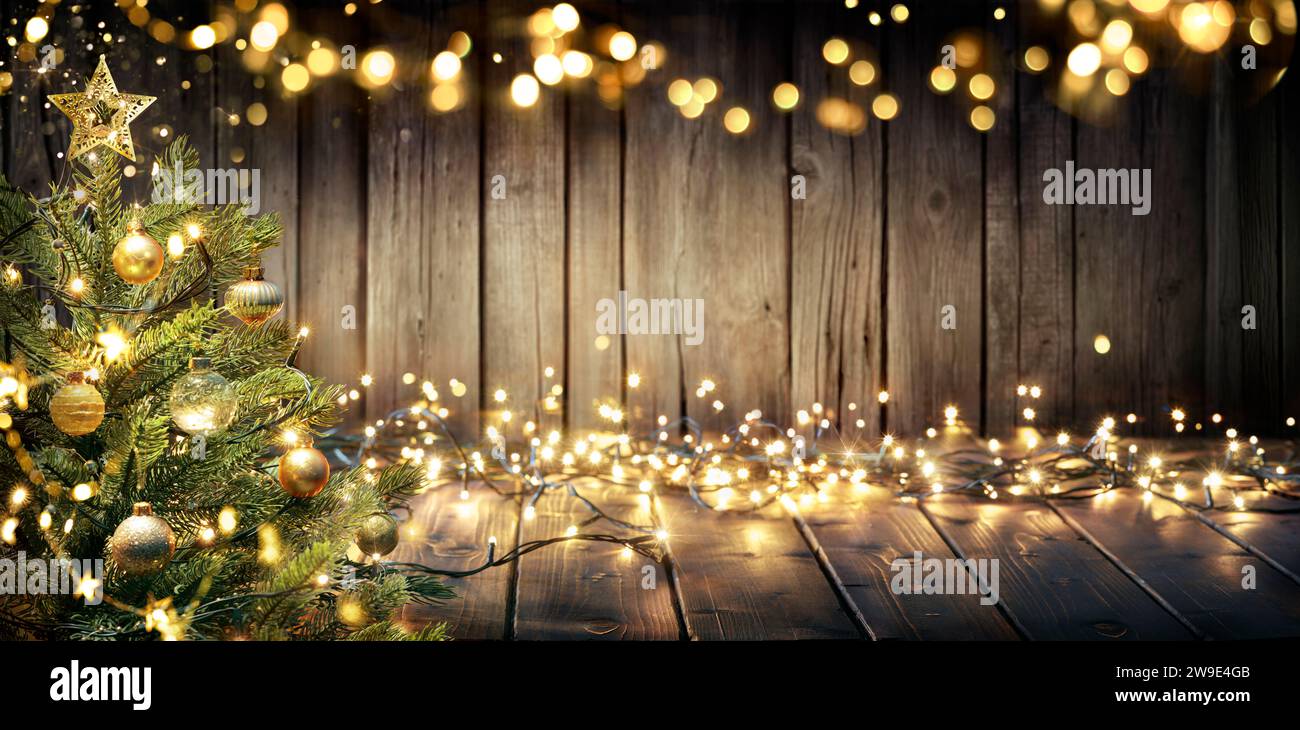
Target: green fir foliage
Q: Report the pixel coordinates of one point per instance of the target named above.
(281, 571)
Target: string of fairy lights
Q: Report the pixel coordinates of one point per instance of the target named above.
(756, 463)
(1096, 49)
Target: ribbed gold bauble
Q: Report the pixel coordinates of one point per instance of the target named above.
(77, 408)
(303, 472)
(377, 535)
(137, 258)
(142, 544)
(254, 300)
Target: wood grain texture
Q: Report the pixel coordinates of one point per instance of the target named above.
(1288, 93)
(657, 168)
(332, 215)
(861, 535)
(933, 239)
(1274, 535)
(1140, 279)
(836, 307)
(748, 576)
(1045, 307)
(422, 248)
(790, 287)
(451, 533)
(523, 232)
(185, 83)
(595, 266)
(1004, 271)
(591, 590)
(271, 148)
(726, 240)
(1198, 571)
(1242, 366)
(1053, 583)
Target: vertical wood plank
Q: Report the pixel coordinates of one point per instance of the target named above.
(523, 233)
(595, 269)
(1046, 306)
(332, 173)
(1140, 279)
(423, 229)
(933, 236)
(736, 225)
(185, 84)
(656, 169)
(1242, 366)
(271, 148)
(450, 533)
(1288, 95)
(706, 215)
(1004, 269)
(836, 315)
(590, 590)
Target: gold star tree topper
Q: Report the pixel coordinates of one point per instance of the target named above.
(101, 114)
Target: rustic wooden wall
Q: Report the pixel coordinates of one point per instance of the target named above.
(828, 299)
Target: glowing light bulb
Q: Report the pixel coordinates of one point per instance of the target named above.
(1084, 60)
(524, 90)
(622, 46)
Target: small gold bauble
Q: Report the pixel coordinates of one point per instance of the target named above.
(137, 258)
(142, 544)
(77, 408)
(254, 300)
(303, 472)
(377, 535)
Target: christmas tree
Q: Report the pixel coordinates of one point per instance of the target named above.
(159, 460)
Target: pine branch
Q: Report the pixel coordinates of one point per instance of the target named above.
(290, 588)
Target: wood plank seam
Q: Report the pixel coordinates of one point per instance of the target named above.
(1016, 624)
(687, 631)
(1241, 542)
(512, 595)
(1132, 575)
(833, 577)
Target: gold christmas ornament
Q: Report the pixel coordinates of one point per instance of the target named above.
(77, 408)
(137, 258)
(254, 300)
(202, 402)
(377, 535)
(101, 115)
(142, 544)
(303, 472)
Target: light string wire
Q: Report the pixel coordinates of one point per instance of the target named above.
(1087, 471)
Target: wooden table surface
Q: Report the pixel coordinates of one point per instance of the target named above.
(1113, 567)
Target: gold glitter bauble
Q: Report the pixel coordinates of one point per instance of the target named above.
(254, 300)
(142, 544)
(377, 535)
(303, 472)
(77, 408)
(137, 258)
